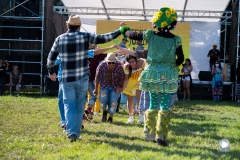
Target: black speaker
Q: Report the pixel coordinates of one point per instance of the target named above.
(33, 6)
(20, 10)
(205, 76)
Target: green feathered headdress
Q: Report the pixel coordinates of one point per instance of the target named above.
(123, 30)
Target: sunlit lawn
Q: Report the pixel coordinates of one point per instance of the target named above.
(29, 129)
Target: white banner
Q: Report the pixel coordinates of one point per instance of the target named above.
(202, 36)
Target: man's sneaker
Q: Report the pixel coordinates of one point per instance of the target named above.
(141, 118)
(110, 119)
(72, 138)
(85, 118)
(104, 116)
(17, 95)
(82, 127)
(88, 114)
(64, 127)
(130, 120)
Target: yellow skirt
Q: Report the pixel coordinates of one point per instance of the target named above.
(131, 88)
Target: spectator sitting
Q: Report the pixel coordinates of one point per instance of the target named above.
(15, 80)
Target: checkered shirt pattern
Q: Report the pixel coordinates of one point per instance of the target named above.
(117, 75)
(72, 48)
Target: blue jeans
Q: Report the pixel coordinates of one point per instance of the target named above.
(144, 101)
(74, 97)
(91, 87)
(124, 99)
(61, 105)
(2, 82)
(109, 97)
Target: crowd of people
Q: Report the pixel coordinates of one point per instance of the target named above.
(153, 70)
(144, 80)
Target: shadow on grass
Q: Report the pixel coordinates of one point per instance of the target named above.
(216, 153)
(205, 131)
(203, 103)
(111, 135)
(193, 130)
(180, 151)
(119, 123)
(187, 116)
(31, 94)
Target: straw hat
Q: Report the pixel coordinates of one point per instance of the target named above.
(111, 57)
(214, 45)
(74, 20)
(164, 17)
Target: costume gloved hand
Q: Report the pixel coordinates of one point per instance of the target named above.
(123, 30)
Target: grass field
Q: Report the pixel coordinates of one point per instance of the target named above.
(29, 129)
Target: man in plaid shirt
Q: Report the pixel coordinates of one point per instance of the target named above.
(93, 64)
(72, 48)
(110, 75)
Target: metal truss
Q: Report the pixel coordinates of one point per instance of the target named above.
(139, 12)
(8, 48)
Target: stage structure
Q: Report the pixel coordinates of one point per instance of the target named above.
(144, 13)
(22, 38)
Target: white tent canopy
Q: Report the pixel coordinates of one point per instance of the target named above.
(197, 12)
(191, 10)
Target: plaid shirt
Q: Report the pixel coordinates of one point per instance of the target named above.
(93, 64)
(117, 75)
(72, 47)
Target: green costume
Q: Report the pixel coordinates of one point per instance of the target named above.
(161, 75)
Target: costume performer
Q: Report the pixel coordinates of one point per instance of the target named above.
(161, 75)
